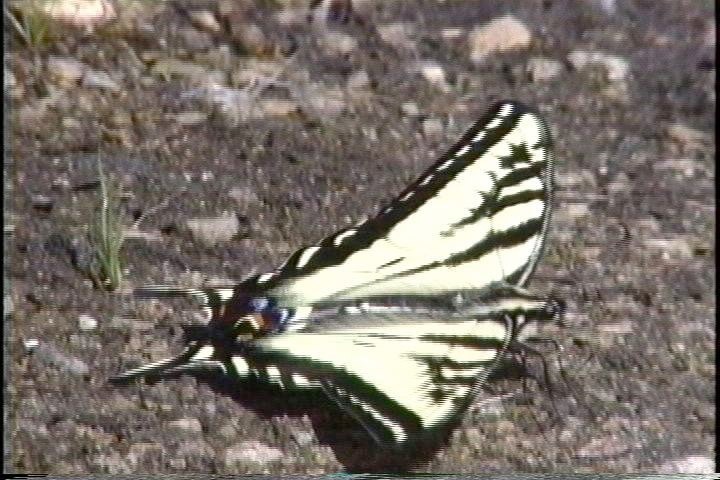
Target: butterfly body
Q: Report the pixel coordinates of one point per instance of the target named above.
(402, 317)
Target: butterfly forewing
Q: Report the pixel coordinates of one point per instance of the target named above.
(475, 218)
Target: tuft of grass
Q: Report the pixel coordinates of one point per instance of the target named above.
(107, 235)
(30, 22)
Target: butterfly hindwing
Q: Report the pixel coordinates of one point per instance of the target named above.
(399, 374)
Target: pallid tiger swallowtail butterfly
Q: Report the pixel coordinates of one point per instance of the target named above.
(401, 318)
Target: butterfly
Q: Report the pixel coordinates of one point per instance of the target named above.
(401, 318)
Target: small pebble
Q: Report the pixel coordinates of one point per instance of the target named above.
(540, 68)
(358, 80)
(97, 79)
(410, 109)
(616, 67)
(65, 70)
(60, 360)
(31, 344)
(87, 323)
(42, 202)
(191, 117)
(206, 20)
(432, 127)
(251, 452)
(215, 229)
(189, 424)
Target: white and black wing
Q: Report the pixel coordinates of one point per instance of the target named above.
(477, 217)
(401, 375)
(404, 375)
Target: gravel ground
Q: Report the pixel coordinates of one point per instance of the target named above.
(238, 131)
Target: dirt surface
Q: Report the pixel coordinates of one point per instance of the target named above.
(335, 110)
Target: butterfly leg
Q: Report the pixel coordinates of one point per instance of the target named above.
(156, 368)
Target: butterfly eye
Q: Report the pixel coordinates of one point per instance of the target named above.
(259, 304)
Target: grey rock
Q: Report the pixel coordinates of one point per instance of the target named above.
(122, 323)
(52, 356)
(358, 81)
(173, 68)
(244, 195)
(251, 452)
(42, 202)
(250, 37)
(687, 136)
(432, 72)
(65, 70)
(693, 464)
(191, 117)
(540, 68)
(603, 446)
(615, 66)
(214, 230)
(8, 306)
(399, 35)
(188, 424)
(98, 79)
(338, 43)
(432, 127)
(303, 437)
(195, 39)
(205, 20)
(410, 109)
(322, 101)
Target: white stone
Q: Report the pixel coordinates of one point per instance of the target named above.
(452, 33)
(433, 72)
(693, 464)
(498, 35)
(87, 323)
(615, 66)
(80, 12)
(541, 68)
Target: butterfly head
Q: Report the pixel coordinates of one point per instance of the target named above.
(233, 325)
(246, 317)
